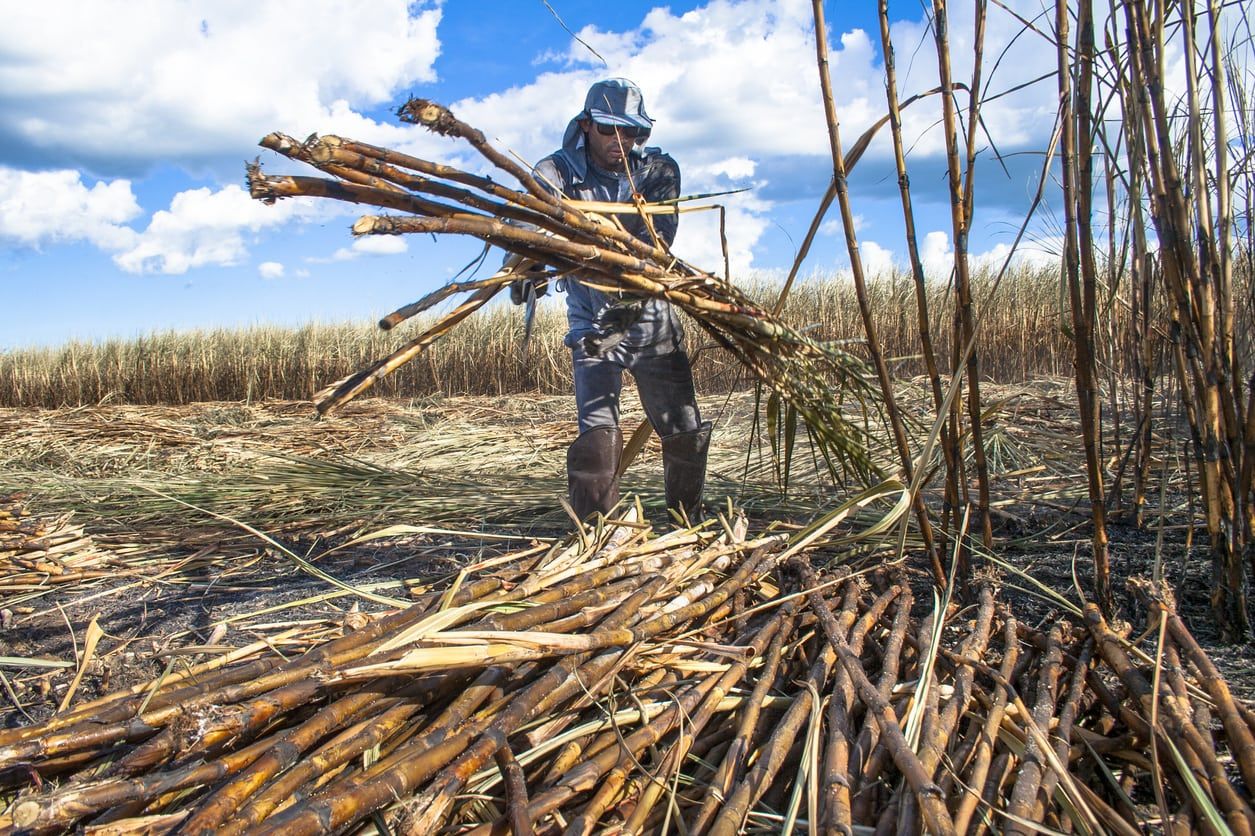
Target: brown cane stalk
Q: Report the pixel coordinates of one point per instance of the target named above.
(733, 764)
(693, 726)
(1238, 732)
(835, 809)
(1032, 768)
(429, 808)
(965, 333)
(1066, 722)
(1079, 267)
(948, 431)
(72, 803)
(935, 737)
(515, 793)
(932, 805)
(288, 749)
(1176, 723)
(869, 736)
(775, 750)
(427, 755)
(1199, 296)
(860, 288)
(982, 760)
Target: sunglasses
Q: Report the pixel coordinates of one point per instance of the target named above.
(625, 131)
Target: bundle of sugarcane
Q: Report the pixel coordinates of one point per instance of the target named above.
(625, 682)
(38, 552)
(570, 237)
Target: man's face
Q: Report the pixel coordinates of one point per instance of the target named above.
(607, 145)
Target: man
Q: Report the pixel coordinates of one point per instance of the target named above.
(603, 158)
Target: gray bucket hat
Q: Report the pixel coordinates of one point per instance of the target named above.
(617, 101)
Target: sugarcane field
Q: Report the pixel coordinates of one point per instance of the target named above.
(957, 546)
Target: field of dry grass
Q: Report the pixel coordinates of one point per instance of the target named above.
(1024, 340)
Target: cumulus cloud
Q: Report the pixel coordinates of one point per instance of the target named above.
(877, 260)
(207, 227)
(38, 208)
(366, 245)
(198, 80)
(937, 255)
(270, 270)
(745, 110)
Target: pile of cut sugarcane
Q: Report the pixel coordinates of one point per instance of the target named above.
(539, 227)
(698, 681)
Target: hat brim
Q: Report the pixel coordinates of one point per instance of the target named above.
(603, 118)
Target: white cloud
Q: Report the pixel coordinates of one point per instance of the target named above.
(204, 227)
(39, 208)
(380, 245)
(877, 260)
(938, 256)
(835, 226)
(122, 82)
(747, 102)
(732, 84)
(366, 245)
(270, 270)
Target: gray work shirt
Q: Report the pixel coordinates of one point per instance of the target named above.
(657, 177)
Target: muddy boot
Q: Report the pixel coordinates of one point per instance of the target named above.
(591, 462)
(684, 470)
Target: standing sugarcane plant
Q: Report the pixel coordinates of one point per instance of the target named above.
(963, 347)
(1079, 268)
(893, 413)
(1187, 174)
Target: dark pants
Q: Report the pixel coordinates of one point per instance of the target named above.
(665, 383)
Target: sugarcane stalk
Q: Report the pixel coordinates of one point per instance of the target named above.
(912, 249)
(569, 213)
(430, 807)
(873, 343)
(335, 753)
(694, 725)
(72, 803)
(982, 760)
(965, 333)
(940, 725)
(1029, 774)
(437, 296)
(932, 805)
(867, 744)
(1076, 147)
(1237, 813)
(440, 120)
(515, 793)
(774, 752)
(733, 763)
(1238, 732)
(835, 810)
(363, 380)
(289, 748)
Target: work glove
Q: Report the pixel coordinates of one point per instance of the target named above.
(533, 283)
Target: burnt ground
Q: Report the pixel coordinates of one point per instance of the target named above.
(84, 538)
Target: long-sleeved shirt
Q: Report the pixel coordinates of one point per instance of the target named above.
(657, 177)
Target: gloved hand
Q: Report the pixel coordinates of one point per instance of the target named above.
(535, 279)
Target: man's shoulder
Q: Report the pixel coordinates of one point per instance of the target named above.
(556, 168)
(654, 156)
(658, 169)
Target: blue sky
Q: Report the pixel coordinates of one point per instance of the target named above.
(124, 130)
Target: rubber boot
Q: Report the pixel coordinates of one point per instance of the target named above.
(684, 470)
(591, 462)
